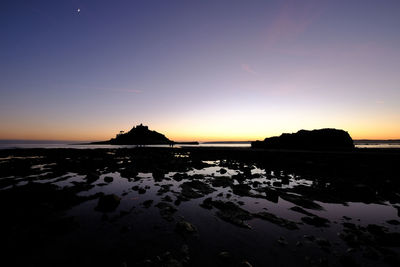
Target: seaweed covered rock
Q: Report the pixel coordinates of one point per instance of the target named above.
(322, 139)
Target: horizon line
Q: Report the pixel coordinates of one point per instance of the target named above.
(200, 141)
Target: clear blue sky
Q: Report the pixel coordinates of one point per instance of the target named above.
(198, 70)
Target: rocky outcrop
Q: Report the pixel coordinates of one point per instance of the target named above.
(139, 135)
(322, 139)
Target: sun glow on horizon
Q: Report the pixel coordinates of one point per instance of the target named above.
(192, 134)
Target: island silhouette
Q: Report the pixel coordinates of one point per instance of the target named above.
(320, 139)
(141, 135)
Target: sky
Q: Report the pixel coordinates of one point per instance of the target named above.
(199, 70)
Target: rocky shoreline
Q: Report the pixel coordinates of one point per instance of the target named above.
(200, 206)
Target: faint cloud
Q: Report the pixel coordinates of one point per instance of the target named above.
(248, 69)
(293, 19)
(135, 91)
(283, 88)
(109, 89)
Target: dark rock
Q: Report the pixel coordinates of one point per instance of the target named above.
(135, 188)
(179, 176)
(270, 194)
(285, 180)
(167, 198)
(147, 203)
(241, 189)
(92, 177)
(222, 181)
(185, 227)
(164, 189)
(158, 175)
(108, 203)
(195, 189)
(393, 222)
(239, 177)
(207, 203)
(301, 201)
(276, 220)
(322, 139)
(230, 212)
(247, 172)
(301, 210)
(196, 177)
(277, 184)
(141, 190)
(359, 192)
(316, 221)
(108, 179)
(166, 210)
(188, 193)
(129, 172)
(255, 184)
(177, 202)
(222, 171)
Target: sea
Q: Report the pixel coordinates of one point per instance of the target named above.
(24, 144)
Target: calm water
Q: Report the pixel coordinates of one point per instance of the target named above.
(6, 144)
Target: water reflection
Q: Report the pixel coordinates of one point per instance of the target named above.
(219, 197)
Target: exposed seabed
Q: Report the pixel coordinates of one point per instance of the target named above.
(199, 207)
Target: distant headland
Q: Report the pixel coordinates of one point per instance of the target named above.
(321, 139)
(141, 135)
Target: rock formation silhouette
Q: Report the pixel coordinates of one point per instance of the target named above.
(321, 139)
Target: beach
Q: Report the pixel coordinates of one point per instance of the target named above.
(204, 206)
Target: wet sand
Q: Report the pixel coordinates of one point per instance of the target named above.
(199, 207)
